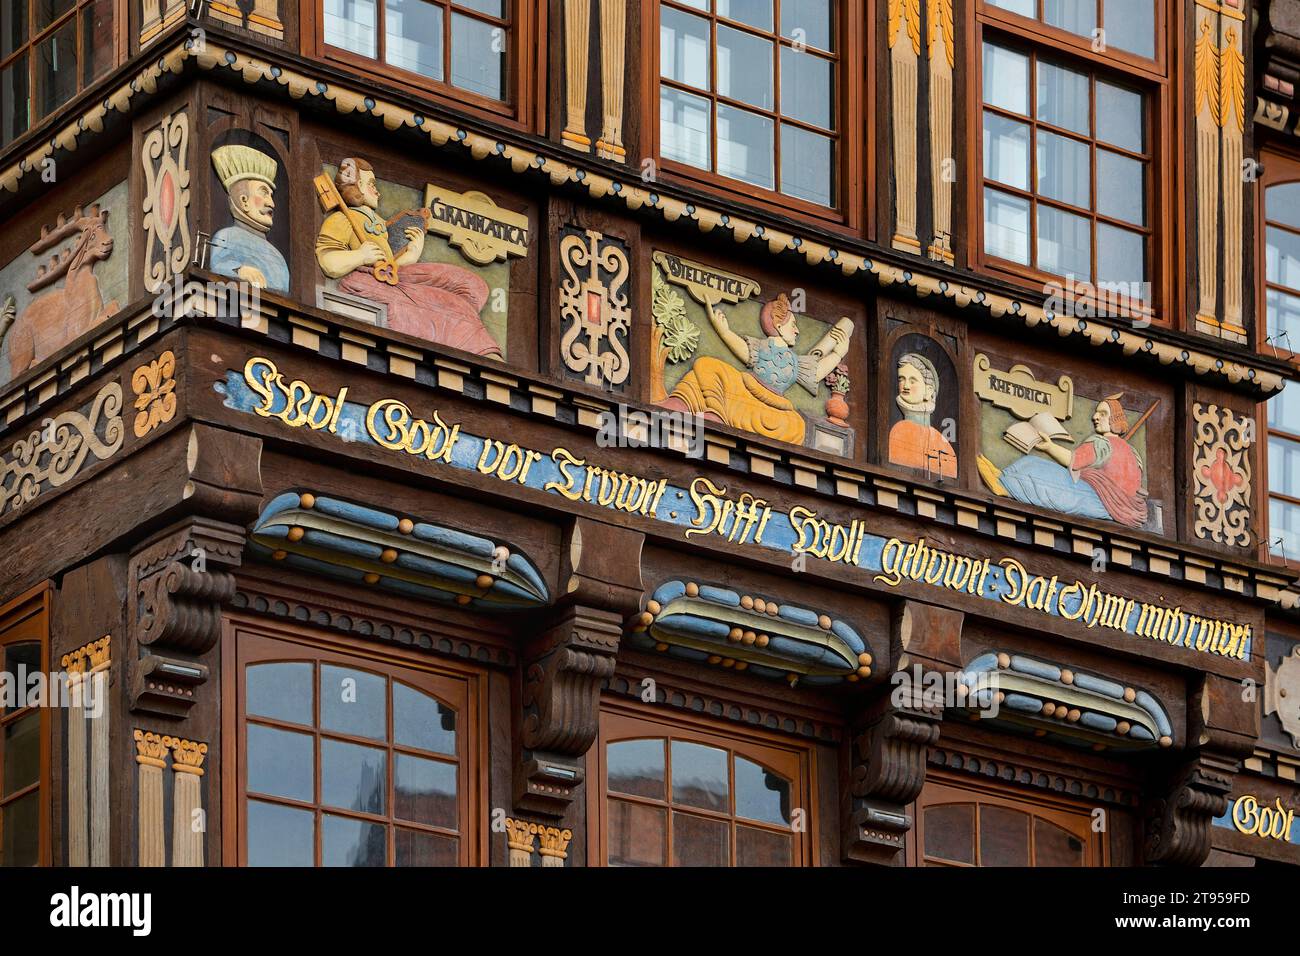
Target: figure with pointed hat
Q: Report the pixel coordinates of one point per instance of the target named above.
(242, 250)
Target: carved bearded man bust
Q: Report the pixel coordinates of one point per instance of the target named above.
(242, 250)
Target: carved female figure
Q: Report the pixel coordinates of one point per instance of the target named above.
(1102, 478)
(753, 398)
(914, 442)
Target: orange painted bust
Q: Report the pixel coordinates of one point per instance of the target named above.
(914, 442)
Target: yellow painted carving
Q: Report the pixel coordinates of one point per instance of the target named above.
(1207, 73)
(155, 388)
(911, 11)
(1232, 82)
(1271, 823)
(940, 17)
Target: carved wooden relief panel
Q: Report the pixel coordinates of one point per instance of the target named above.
(1223, 445)
(725, 350)
(429, 262)
(1083, 455)
(72, 278)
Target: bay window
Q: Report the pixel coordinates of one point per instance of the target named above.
(1280, 337)
(750, 93)
(49, 51)
(974, 826)
(1068, 113)
(466, 49)
(349, 760)
(24, 731)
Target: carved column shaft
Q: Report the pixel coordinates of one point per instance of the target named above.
(940, 25)
(904, 55)
(613, 69)
(1232, 90)
(100, 812)
(577, 27)
(150, 761)
(78, 803)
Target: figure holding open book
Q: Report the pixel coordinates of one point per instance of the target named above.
(1102, 478)
(380, 261)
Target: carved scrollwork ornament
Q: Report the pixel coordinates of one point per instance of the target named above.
(561, 708)
(1178, 824)
(54, 455)
(1221, 474)
(889, 761)
(594, 308)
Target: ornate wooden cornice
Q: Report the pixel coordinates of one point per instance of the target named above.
(223, 55)
(953, 757)
(265, 591)
(690, 696)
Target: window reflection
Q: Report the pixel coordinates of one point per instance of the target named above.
(463, 43)
(47, 59)
(348, 767)
(721, 808)
(749, 102)
(1084, 215)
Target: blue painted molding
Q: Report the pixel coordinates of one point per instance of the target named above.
(1057, 702)
(339, 539)
(719, 626)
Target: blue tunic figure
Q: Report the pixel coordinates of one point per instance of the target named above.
(242, 250)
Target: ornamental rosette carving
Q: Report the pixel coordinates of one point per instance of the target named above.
(1221, 474)
(54, 455)
(155, 390)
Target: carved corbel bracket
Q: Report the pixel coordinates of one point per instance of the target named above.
(561, 706)
(179, 580)
(1177, 824)
(887, 771)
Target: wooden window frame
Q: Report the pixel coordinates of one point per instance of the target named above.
(473, 762)
(854, 113)
(1158, 86)
(617, 717)
(27, 618)
(1280, 166)
(120, 15)
(1267, 495)
(1054, 809)
(523, 109)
